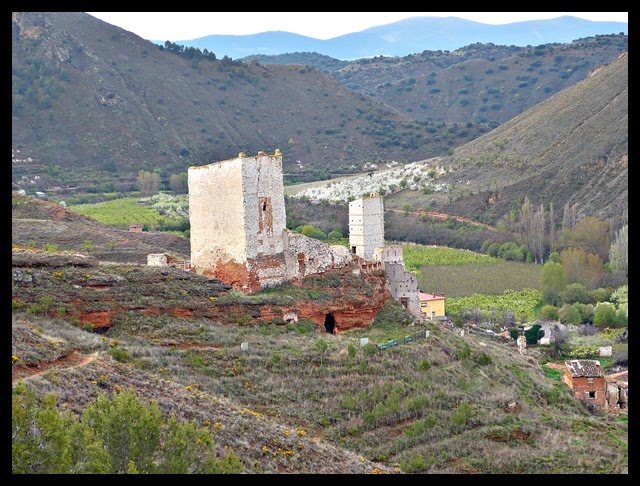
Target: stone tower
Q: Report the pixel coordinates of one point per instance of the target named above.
(237, 215)
(366, 225)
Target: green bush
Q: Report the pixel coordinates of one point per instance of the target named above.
(568, 314)
(121, 434)
(462, 413)
(119, 354)
(604, 315)
(549, 313)
(533, 334)
(585, 351)
(576, 292)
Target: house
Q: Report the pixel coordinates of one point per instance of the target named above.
(586, 379)
(432, 305)
(135, 228)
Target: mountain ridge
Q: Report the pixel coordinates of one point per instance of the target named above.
(408, 36)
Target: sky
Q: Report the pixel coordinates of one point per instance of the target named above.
(320, 25)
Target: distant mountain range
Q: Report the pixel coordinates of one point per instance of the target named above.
(407, 36)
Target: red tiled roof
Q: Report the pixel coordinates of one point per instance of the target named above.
(584, 368)
(425, 297)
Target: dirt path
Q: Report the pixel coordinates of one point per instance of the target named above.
(72, 360)
(437, 215)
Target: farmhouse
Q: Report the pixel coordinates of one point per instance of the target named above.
(432, 305)
(586, 379)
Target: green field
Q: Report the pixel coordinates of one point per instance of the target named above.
(417, 256)
(520, 302)
(479, 278)
(122, 212)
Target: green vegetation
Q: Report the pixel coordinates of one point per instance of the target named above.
(479, 278)
(115, 435)
(417, 256)
(122, 212)
(521, 303)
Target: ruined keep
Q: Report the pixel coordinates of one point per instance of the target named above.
(238, 226)
(366, 225)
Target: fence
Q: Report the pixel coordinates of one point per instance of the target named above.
(407, 339)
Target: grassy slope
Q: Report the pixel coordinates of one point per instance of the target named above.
(437, 405)
(431, 406)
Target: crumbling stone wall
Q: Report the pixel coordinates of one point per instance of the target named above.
(389, 253)
(403, 286)
(305, 256)
(157, 260)
(366, 225)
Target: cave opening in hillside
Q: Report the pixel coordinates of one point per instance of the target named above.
(330, 323)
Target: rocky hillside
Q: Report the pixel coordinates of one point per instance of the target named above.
(298, 400)
(571, 148)
(94, 104)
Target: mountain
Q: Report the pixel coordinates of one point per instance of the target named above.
(571, 148)
(94, 104)
(408, 36)
(479, 82)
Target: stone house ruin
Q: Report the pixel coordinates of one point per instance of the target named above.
(586, 379)
(617, 392)
(238, 226)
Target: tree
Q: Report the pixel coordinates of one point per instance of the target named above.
(576, 292)
(549, 313)
(552, 228)
(149, 182)
(582, 267)
(569, 314)
(179, 183)
(553, 276)
(569, 215)
(591, 235)
(533, 334)
(619, 251)
(121, 434)
(604, 315)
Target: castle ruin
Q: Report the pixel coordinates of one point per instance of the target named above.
(238, 226)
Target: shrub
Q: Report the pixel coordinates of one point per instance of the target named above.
(549, 313)
(585, 351)
(462, 413)
(533, 334)
(484, 359)
(569, 315)
(576, 292)
(119, 354)
(604, 315)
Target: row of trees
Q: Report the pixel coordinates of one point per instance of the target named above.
(539, 238)
(121, 434)
(149, 183)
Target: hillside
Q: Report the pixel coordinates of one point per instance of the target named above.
(484, 83)
(479, 83)
(295, 401)
(94, 104)
(407, 37)
(571, 148)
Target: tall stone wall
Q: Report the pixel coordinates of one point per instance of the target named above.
(389, 254)
(366, 225)
(264, 213)
(403, 287)
(217, 214)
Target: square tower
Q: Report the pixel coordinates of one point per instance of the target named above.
(366, 225)
(237, 214)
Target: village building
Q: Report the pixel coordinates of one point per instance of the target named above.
(135, 228)
(432, 305)
(586, 379)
